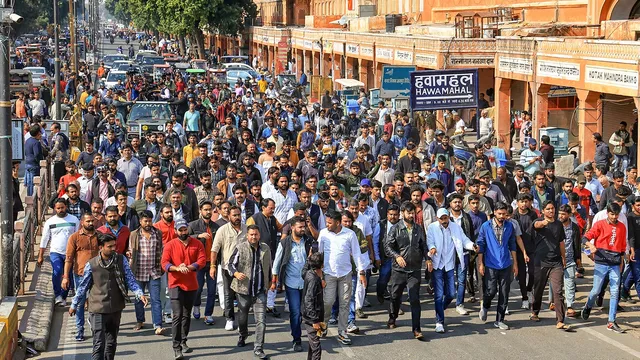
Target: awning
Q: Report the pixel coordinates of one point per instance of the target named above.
(349, 83)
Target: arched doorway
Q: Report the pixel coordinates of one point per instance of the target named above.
(620, 10)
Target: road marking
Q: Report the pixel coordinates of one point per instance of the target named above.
(610, 341)
(347, 349)
(68, 338)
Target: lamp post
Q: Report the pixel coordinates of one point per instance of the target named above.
(56, 59)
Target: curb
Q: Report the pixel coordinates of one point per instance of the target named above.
(39, 319)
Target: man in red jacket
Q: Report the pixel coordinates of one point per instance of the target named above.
(115, 227)
(181, 259)
(607, 241)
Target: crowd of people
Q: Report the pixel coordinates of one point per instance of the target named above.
(249, 197)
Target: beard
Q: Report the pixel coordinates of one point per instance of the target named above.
(236, 222)
(112, 223)
(89, 228)
(301, 234)
(206, 186)
(283, 188)
(207, 217)
(168, 219)
(183, 237)
(147, 228)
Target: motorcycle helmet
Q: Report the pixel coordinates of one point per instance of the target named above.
(335, 101)
(316, 107)
(352, 113)
(344, 119)
(439, 132)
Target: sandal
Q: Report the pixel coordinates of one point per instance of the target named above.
(535, 318)
(565, 327)
(138, 326)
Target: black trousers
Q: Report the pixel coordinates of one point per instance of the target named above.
(315, 349)
(472, 272)
(181, 305)
(58, 171)
(555, 275)
(105, 335)
(497, 282)
(399, 281)
(526, 275)
(229, 295)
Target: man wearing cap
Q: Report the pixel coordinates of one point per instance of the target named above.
(446, 242)
(460, 186)
(531, 158)
(181, 259)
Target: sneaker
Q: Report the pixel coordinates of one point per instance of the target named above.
(352, 328)
(333, 321)
(177, 354)
(196, 312)
(482, 314)
(273, 311)
(241, 341)
(525, 305)
(461, 310)
(344, 339)
(613, 326)
(167, 318)
(366, 303)
(229, 325)
(506, 311)
(79, 337)
(391, 324)
(186, 348)
(400, 311)
(473, 299)
(439, 328)
(286, 307)
(297, 347)
(59, 300)
(500, 325)
(259, 354)
(387, 296)
(360, 314)
(585, 313)
(208, 320)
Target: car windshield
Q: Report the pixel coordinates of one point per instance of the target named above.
(37, 71)
(114, 77)
(150, 111)
(148, 60)
(109, 59)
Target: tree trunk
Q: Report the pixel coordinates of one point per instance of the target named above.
(181, 45)
(199, 43)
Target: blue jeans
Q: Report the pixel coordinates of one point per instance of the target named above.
(79, 309)
(295, 313)
(444, 290)
(635, 276)
(155, 291)
(57, 265)
(211, 290)
(600, 272)
(384, 274)
(29, 174)
(462, 280)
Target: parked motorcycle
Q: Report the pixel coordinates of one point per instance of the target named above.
(462, 150)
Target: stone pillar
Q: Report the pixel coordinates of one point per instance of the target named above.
(299, 62)
(362, 66)
(349, 70)
(636, 100)
(326, 64)
(540, 111)
(589, 121)
(502, 113)
(272, 58)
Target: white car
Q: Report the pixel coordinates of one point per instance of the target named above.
(37, 75)
(113, 77)
(237, 66)
(143, 53)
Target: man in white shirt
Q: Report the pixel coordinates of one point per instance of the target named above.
(284, 197)
(57, 230)
(88, 174)
(531, 158)
(445, 241)
(593, 184)
(339, 245)
(247, 207)
(37, 106)
(131, 167)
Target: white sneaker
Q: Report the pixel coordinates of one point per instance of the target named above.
(506, 311)
(286, 307)
(167, 318)
(461, 310)
(63, 303)
(59, 300)
(439, 328)
(229, 325)
(525, 305)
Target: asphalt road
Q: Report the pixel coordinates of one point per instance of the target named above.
(467, 337)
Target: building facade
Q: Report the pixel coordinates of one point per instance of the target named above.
(572, 63)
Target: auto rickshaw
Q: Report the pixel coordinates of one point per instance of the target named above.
(199, 64)
(218, 76)
(181, 68)
(199, 74)
(159, 70)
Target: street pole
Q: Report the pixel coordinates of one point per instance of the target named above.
(6, 181)
(56, 59)
(72, 36)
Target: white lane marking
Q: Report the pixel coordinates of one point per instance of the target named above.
(68, 339)
(346, 348)
(610, 341)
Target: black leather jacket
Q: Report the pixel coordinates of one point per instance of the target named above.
(413, 250)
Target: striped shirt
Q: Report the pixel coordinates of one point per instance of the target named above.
(58, 230)
(283, 204)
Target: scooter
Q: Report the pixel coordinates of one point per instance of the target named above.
(462, 150)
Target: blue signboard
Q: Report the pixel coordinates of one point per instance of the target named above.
(395, 81)
(444, 89)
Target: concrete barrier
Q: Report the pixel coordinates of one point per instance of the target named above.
(8, 327)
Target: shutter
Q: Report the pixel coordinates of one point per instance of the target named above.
(615, 109)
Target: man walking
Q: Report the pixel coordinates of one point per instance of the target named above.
(106, 301)
(204, 229)
(82, 246)
(383, 262)
(446, 243)
(250, 265)
(145, 254)
(406, 244)
(497, 254)
(57, 230)
(181, 259)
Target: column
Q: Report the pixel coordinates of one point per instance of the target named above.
(299, 62)
(502, 113)
(636, 100)
(349, 70)
(589, 121)
(362, 65)
(326, 64)
(540, 111)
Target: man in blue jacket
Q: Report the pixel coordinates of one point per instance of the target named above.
(443, 174)
(496, 258)
(33, 154)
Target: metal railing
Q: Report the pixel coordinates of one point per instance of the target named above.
(28, 228)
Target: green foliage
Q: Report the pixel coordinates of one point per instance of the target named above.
(38, 14)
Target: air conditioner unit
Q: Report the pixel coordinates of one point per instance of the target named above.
(367, 11)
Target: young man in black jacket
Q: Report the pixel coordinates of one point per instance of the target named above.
(525, 217)
(313, 304)
(407, 245)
